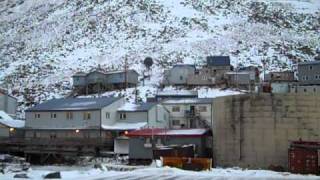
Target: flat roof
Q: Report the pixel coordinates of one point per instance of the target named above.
(188, 101)
(309, 62)
(74, 104)
(168, 132)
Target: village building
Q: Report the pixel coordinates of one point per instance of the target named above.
(145, 142)
(9, 127)
(174, 94)
(99, 81)
(280, 82)
(203, 77)
(178, 74)
(241, 80)
(73, 118)
(189, 112)
(309, 78)
(146, 115)
(8, 103)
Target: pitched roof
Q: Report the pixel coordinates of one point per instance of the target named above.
(74, 104)
(168, 132)
(129, 107)
(218, 61)
(184, 65)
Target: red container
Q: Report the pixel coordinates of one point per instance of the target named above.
(304, 157)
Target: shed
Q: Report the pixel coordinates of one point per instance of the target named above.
(143, 142)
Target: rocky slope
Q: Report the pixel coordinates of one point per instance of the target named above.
(42, 43)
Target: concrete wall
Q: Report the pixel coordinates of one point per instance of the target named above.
(315, 89)
(255, 130)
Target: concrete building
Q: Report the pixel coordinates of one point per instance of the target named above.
(178, 74)
(189, 113)
(219, 65)
(100, 80)
(10, 128)
(309, 73)
(8, 103)
(255, 130)
(142, 143)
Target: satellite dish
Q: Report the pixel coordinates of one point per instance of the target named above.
(148, 62)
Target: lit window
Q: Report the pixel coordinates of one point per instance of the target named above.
(86, 115)
(107, 115)
(123, 116)
(53, 115)
(69, 115)
(175, 109)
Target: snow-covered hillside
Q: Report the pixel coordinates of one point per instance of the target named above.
(42, 43)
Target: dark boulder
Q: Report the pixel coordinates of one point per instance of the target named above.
(54, 175)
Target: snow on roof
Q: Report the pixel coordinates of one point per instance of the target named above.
(177, 93)
(137, 107)
(240, 73)
(168, 132)
(188, 101)
(309, 62)
(74, 104)
(124, 126)
(6, 120)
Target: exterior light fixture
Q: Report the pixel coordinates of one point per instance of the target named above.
(11, 129)
(77, 130)
(126, 132)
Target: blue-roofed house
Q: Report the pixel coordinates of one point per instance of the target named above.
(74, 120)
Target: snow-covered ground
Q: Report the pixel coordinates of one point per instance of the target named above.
(152, 173)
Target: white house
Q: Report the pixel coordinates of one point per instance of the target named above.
(189, 112)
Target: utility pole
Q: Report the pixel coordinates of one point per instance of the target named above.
(126, 71)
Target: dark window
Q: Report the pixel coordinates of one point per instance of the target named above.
(37, 115)
(181, 77)
(305, 90)
(123, 116)
(310, 67)
(53, 115)
(69, 115)
(314, 90)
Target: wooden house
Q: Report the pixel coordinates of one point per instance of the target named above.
(143, 143)
(309, 73)
(178, 74)
(99, 80)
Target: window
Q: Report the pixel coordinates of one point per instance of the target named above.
(305, 90)
(176, 122)
(37, 115)
(53, 115)
(306, 77)
(107, 115)
(204, 78)
(86, 115)
(314, 90)
(69, 115)
(123, 116)
(175, 109)
(203, 108)
(310, 67)
(181, 77)
(316, 76)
